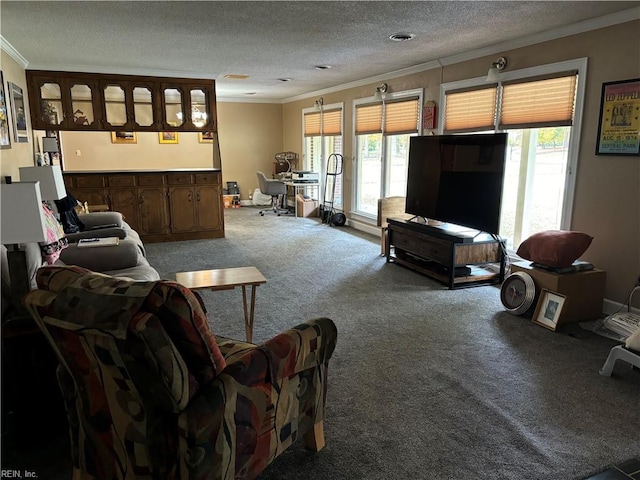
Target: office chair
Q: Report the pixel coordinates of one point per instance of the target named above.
(276, 190)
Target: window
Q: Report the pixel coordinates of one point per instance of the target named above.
(322, 137)
(540, 108)
(382, 131)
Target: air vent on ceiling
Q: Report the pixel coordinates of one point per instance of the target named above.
(401, 37)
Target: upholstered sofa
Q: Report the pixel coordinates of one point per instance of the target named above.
(127, 260)
(152, 393)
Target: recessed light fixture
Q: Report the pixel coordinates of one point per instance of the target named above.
(401, 37)
(236, 76)
(284, 79)
(322, 67)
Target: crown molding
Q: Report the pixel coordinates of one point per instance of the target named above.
(561, 32)
(249, 99)
(13, 53)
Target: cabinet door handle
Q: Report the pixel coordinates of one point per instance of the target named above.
(198, 197)
(189, 197)
(141, 199)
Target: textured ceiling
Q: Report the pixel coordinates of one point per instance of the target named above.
(270, 40)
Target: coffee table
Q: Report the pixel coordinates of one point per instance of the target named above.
(227, 279)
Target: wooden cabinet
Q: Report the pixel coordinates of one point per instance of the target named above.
(208, 218)
(160, 206)
(191, 202)
(182, 209)
(101, 102)
(152, 202)
(455, 259)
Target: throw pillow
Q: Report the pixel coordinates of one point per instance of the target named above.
(554, 248)
(56, 240)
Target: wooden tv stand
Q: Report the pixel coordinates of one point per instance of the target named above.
(446, 252)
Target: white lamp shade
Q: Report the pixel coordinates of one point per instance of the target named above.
(50, 178)
(50, 144)
(22, 215)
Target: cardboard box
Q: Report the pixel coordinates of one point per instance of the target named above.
(231, 201)
(584, 290)
(308, 208)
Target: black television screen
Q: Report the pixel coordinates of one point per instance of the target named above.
(457, 179)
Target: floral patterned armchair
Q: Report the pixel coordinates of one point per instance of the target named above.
(152, 393)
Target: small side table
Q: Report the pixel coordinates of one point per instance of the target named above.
(619, 352)
(228, 279)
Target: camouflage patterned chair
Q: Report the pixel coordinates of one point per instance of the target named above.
(151, 393)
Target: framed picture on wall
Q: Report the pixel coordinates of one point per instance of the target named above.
(5, 140)
(19, 113)
(168, 137)
(619, 124)
(205, 137)
(124, 137)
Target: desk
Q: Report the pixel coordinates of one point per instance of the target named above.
(299, 187)
(227, 279)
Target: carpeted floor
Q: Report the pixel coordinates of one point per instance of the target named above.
(425, 383)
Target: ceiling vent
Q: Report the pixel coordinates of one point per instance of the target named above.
(236, 76)
(401, 37)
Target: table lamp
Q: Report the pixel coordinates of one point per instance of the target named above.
(50, 146)
(50, 178)
(22, 222)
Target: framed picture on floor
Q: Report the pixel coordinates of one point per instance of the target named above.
(19, 113)
(5, 140)
(549, 309)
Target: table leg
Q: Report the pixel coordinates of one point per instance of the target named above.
(248, 314)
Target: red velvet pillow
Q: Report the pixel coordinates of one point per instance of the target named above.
(554, 248)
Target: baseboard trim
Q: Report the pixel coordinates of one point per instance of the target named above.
(364, 227)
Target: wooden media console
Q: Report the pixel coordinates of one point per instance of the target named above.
(446, 252)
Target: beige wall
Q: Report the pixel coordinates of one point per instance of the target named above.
(250, 136)
(97, 152)
(20, 154)
(607, 196)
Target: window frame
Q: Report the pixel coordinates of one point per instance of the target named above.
(385, 173)
(323, 155)
(579, 65)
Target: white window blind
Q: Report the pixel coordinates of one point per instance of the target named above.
(312, 124)
(332, 122)
(402, 117)
(368, 119)
(326, 123)
(540, 103)
(472, 109)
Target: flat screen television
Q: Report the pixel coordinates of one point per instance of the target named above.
(457, 179)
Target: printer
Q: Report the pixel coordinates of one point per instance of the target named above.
(305, 177)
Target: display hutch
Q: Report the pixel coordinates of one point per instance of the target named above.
(160, 205)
